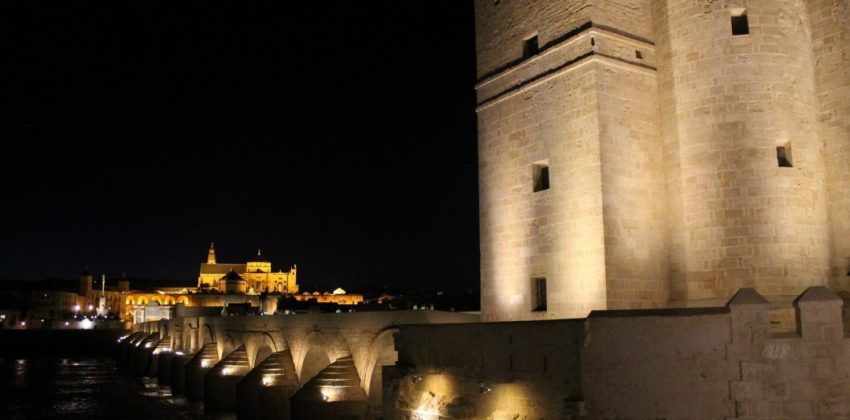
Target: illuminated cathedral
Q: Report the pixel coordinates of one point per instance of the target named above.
(255, 276)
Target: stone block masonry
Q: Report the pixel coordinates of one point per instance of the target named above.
(694, 363)
(684, 158)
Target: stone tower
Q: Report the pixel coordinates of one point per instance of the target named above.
(654, 153)
(211, 254)
(86, 281)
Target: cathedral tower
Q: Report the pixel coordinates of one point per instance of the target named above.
(211, 254)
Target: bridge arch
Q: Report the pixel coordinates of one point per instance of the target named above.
(313, 357)
(190, 338)
(381, 353)
(264, 349)
(207, 335)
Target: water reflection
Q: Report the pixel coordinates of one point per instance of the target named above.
(85, 389)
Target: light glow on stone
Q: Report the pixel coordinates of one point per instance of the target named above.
(268, 380)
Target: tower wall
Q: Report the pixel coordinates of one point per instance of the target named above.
(727, 102)
(689, 153)
(556, 233)
(830, 29)
(583, 106)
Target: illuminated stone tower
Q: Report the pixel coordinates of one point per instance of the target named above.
(211, 254)
(640, 153)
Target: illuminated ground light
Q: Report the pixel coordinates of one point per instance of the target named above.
(147, 345)
(205, 363)
(87, 324)
(269, 379)
(484, 388)
(425, 415)
(179, 353)
(228, 371)
(325, 397)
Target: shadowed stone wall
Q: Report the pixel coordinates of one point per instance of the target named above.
(639, 364)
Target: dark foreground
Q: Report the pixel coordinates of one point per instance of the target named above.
(76, 389)
(72, 375)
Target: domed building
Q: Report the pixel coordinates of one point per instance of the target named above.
(256, 275)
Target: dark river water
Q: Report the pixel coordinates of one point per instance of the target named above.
(84, 388)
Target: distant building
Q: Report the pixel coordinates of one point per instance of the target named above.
(219, 285)
(256, 273)
(338, 296)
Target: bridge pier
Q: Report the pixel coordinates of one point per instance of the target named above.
(220, 381)
(265, 391)
(177, 379)
(163, 347)
(142, 357)
(334, 393)
(163, 374)
(203, 361)
(125, 351)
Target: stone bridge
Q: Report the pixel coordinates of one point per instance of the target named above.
(280, 366)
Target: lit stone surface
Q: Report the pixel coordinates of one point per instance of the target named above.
(220, 382)
(266, 390)
(661, 133)
(690, 363)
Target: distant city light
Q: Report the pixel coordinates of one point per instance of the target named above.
(76, 308)
(227, 371)
(87, 324)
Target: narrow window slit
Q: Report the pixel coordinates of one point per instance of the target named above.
(783, 156)
(529, 46)
(538, 285)
(540, 176)
(740, 24)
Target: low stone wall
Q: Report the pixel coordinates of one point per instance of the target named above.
(709, 363)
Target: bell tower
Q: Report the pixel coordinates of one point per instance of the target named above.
(211, 254)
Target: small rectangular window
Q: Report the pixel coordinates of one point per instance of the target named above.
(783, 156)
(638, 55)
(740, 24)
(540, 176)
(538, 285)
(529, 46)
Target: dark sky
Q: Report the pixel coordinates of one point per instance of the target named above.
(337, 136)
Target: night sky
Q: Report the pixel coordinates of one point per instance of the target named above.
(339, 136)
